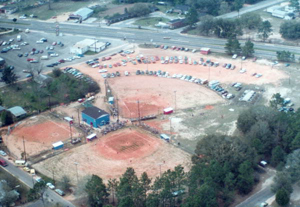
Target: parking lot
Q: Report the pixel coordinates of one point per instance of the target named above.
(28, 53)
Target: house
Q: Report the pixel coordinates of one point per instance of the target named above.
(81, 14)
(181, 9)
(87, 45)
(4, 193)
(43, 79)
(8, 9)
(95, 117)
(176, 23)
(17, 111)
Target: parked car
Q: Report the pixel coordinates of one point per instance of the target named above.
(50, 185)
(3, 163)
(2, 153)
(59, 192)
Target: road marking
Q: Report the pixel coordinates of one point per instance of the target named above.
(181, 41)
(125, 33)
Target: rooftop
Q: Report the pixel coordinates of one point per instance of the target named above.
(83, 12)
(17, 111)
(94, 112)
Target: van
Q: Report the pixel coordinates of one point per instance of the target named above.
(59, 192)
(19, 38)
(20, 163)
(3, 163)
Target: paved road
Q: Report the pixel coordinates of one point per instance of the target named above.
(50, 196)
(252, 8)
(142, 36)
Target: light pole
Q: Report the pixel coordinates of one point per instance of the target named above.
(95, 45)
(175, 101)
(76, 163)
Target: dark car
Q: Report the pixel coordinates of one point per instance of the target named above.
(138, 72)
(3, 163)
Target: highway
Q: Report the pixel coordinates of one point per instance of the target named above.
(145, 36)
(50, 196)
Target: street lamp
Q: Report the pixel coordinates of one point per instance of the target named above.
(175, 101)
(76, 163)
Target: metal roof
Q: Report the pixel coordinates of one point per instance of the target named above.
(83, 12)
(94, 112)
(17, 111)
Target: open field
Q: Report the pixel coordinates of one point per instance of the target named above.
(110, 155)
(39, 133)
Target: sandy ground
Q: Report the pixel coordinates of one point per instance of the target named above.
(100, 157)
(39, 133)
(155, 94)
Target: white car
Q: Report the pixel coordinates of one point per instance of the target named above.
(76, 57)
(2, 153)
(243, 70)
(234, 56)
(22, 17)
(244, 58)
(54, 55)
(103, 71)
(95, 66)
(50, 185)
(51, 48)
(126, 73)
(39, 42)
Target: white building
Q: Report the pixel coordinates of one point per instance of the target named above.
(81, 14)
(87, 45)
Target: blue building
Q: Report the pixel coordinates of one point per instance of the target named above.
(95, 117)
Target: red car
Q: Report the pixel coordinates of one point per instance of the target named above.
(174, 48)
(178, 48)
(61, 61)
(100, 66)
(119, 64)
(107, 58)
(3, 163)
(115, 65)
(162, 47)
(30, 59)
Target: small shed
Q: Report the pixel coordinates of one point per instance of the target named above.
(58, 145)
(91, 137)
(111, 100)
(168, 110)
(95, 117)
(17, 111)
(279, 13)
(165, 137)
(205, 50)
(176, 23)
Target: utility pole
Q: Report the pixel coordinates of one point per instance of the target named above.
(24, 150)
(139, 113)
(175, 102)
(53, 176)
(95, 45)
(70, 128)
(76, 163)
(78, 116)
(49, 102)
(118, 109)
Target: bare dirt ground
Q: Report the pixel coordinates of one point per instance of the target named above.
(109, 156)
(39, 133)
(155, 94)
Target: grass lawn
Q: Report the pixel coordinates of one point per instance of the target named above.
(57, 8)
(90, 53)
(151, 21)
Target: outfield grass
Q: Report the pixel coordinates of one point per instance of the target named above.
(151, 21)
(57, 8)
